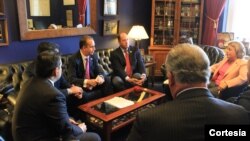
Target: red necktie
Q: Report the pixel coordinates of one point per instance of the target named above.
(87, 76)
(128, 66)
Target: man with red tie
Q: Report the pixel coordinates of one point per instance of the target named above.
(127, 64)
(83, 71)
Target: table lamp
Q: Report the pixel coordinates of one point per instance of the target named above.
(138, 32)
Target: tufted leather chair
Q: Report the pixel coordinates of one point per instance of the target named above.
(12, 74)
(214, 54)
(103, 60)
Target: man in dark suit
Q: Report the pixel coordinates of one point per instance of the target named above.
(62, 84)
(126, 72)
(84, 71)
(193, 106)
(40, 112)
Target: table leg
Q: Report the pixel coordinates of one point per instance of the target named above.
(153, 74)
(107, 129)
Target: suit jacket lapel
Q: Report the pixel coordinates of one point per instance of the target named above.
(80, 63)
(120, 52)
(130, 55)
(91, 64)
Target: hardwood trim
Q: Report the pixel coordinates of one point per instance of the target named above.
(49, 33)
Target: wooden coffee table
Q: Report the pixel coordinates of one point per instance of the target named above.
(108, 118)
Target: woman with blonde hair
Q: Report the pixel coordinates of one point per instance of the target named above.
(230, 73)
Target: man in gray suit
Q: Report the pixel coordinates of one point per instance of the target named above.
(193, 105)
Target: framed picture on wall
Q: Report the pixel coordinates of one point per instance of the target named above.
(110, 8)
(223, 38)
(3, 33)
(68, 2)
(69, 17)
(110, 27)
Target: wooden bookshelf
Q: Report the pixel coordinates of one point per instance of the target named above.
(173, 21)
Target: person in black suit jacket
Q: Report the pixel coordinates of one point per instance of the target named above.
(97, 84)
(193, 106)
(120, 78)
(62, 84)
(40, 112)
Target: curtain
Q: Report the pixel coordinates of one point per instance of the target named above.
(81, 11)
(213, 10)
(223, 18)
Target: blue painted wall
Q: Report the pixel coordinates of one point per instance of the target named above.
(130, 12)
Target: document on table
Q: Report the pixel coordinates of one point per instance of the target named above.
(119, 102)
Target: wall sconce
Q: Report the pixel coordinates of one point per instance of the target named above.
(138, 32)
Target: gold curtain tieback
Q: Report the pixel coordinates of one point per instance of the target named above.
(215, 21)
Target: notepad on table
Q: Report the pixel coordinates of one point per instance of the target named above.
(119, 102)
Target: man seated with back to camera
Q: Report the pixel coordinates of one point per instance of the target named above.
(166, 89)
(40, 112)
(62, 84)
(126, 72)
(193, 106)
(84, 72)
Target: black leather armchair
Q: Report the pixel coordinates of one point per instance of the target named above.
(103, 60)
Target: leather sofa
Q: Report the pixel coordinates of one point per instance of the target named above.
(12, 78)
(13, 73)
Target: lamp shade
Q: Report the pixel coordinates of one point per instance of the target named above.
(138, 32)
